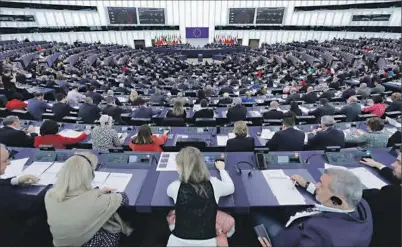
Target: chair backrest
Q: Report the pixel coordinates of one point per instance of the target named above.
(305, 119)
(174, 122)
(201, 145)
(139, 121)
(365, 116)
(205, 122)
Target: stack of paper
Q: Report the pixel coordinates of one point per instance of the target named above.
(55, 168)
(283, 188)
(222, 140)
(14, 168)
(117, 181)
(266, 134)
(367, 178)
(393, 122)
(100, 178)
(70, 133)
(37, 168)
(47, 178)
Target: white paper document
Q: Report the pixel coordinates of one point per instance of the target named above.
(367, 178)
(306, 138)
(254, 113)
(36, 168)
(117, 181)
(328, 166)
(14, 168)
(55, 168)
(232, 135)
(304, 110)
(393, 122)
(70, 133)
(37, 130)
(390, 131)
(266, 134)
(100, 178)
(47, 178)
(283, 188)
(222, 140)
(167, 162)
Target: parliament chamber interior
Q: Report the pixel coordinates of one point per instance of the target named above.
(272, 123)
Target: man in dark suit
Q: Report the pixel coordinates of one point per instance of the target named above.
(12, 135)
(238, 112)
(204, 112)
(226, 89)
(23, 216)
(352, 110)
(112, 110)
(240, 143)
(378, 89)
(310, 96)
(273, 113)
(144, 112)
(350, 91)
(61, 108)
(96, 97)
(396, 104)
(157, 98)
(293, 96)
(122, 89)
(367, 80)
(89, 112)
(225, 100)
(385, 205)
(328, 94)
(288, 139)
(327, 135)
(37, 106)
(324, 109)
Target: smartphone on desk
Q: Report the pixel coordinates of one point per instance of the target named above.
(262, 232)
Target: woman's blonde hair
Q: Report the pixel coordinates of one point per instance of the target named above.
(133, 95)
(75, 177)
(240, 128)
(193, 169)
(178, 109)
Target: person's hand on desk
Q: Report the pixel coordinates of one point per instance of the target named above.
(372, 163)
(299, 180)
(166, 131)
(220, 165)
(264, 242)
(27, 179)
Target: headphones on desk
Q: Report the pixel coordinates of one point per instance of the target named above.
(239, 170)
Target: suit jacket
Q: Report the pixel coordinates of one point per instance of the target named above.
(159, 99)
(329, 137)
(310, 97)
(289, 139)
(386, 220)
(293, 97)
(143, 112)
(60, 110)
(237, 113)
(171, 115)
(89, 113)
(395, 106)
(351, 111)
(327, 94)
(114, 112)
(240, 144)
(11, 137)
(23, 217)
(273, 114)
(96, 97)
(203, 113)
(348, 93)
(378, 89)
(363, 92)
(225, 101)
(319, 112)
(36, 108)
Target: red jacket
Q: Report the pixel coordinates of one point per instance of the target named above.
(57, 140)
(16, 104)
(378, 109)
(154, 147)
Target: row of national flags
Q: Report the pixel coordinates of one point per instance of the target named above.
(226, 40)
(165, 40)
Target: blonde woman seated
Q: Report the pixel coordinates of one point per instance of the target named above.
(105, 137)
(196, 196)
(375, 138)
(78, 214)
(240, 143)
(177, 111)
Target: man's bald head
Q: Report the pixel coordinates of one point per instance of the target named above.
(274, 105)
(310, 89)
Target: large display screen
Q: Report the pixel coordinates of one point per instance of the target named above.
(17, 18)
(368, 18)
(270, 15)
(151, 15)
(121, 15)
(241, 15)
